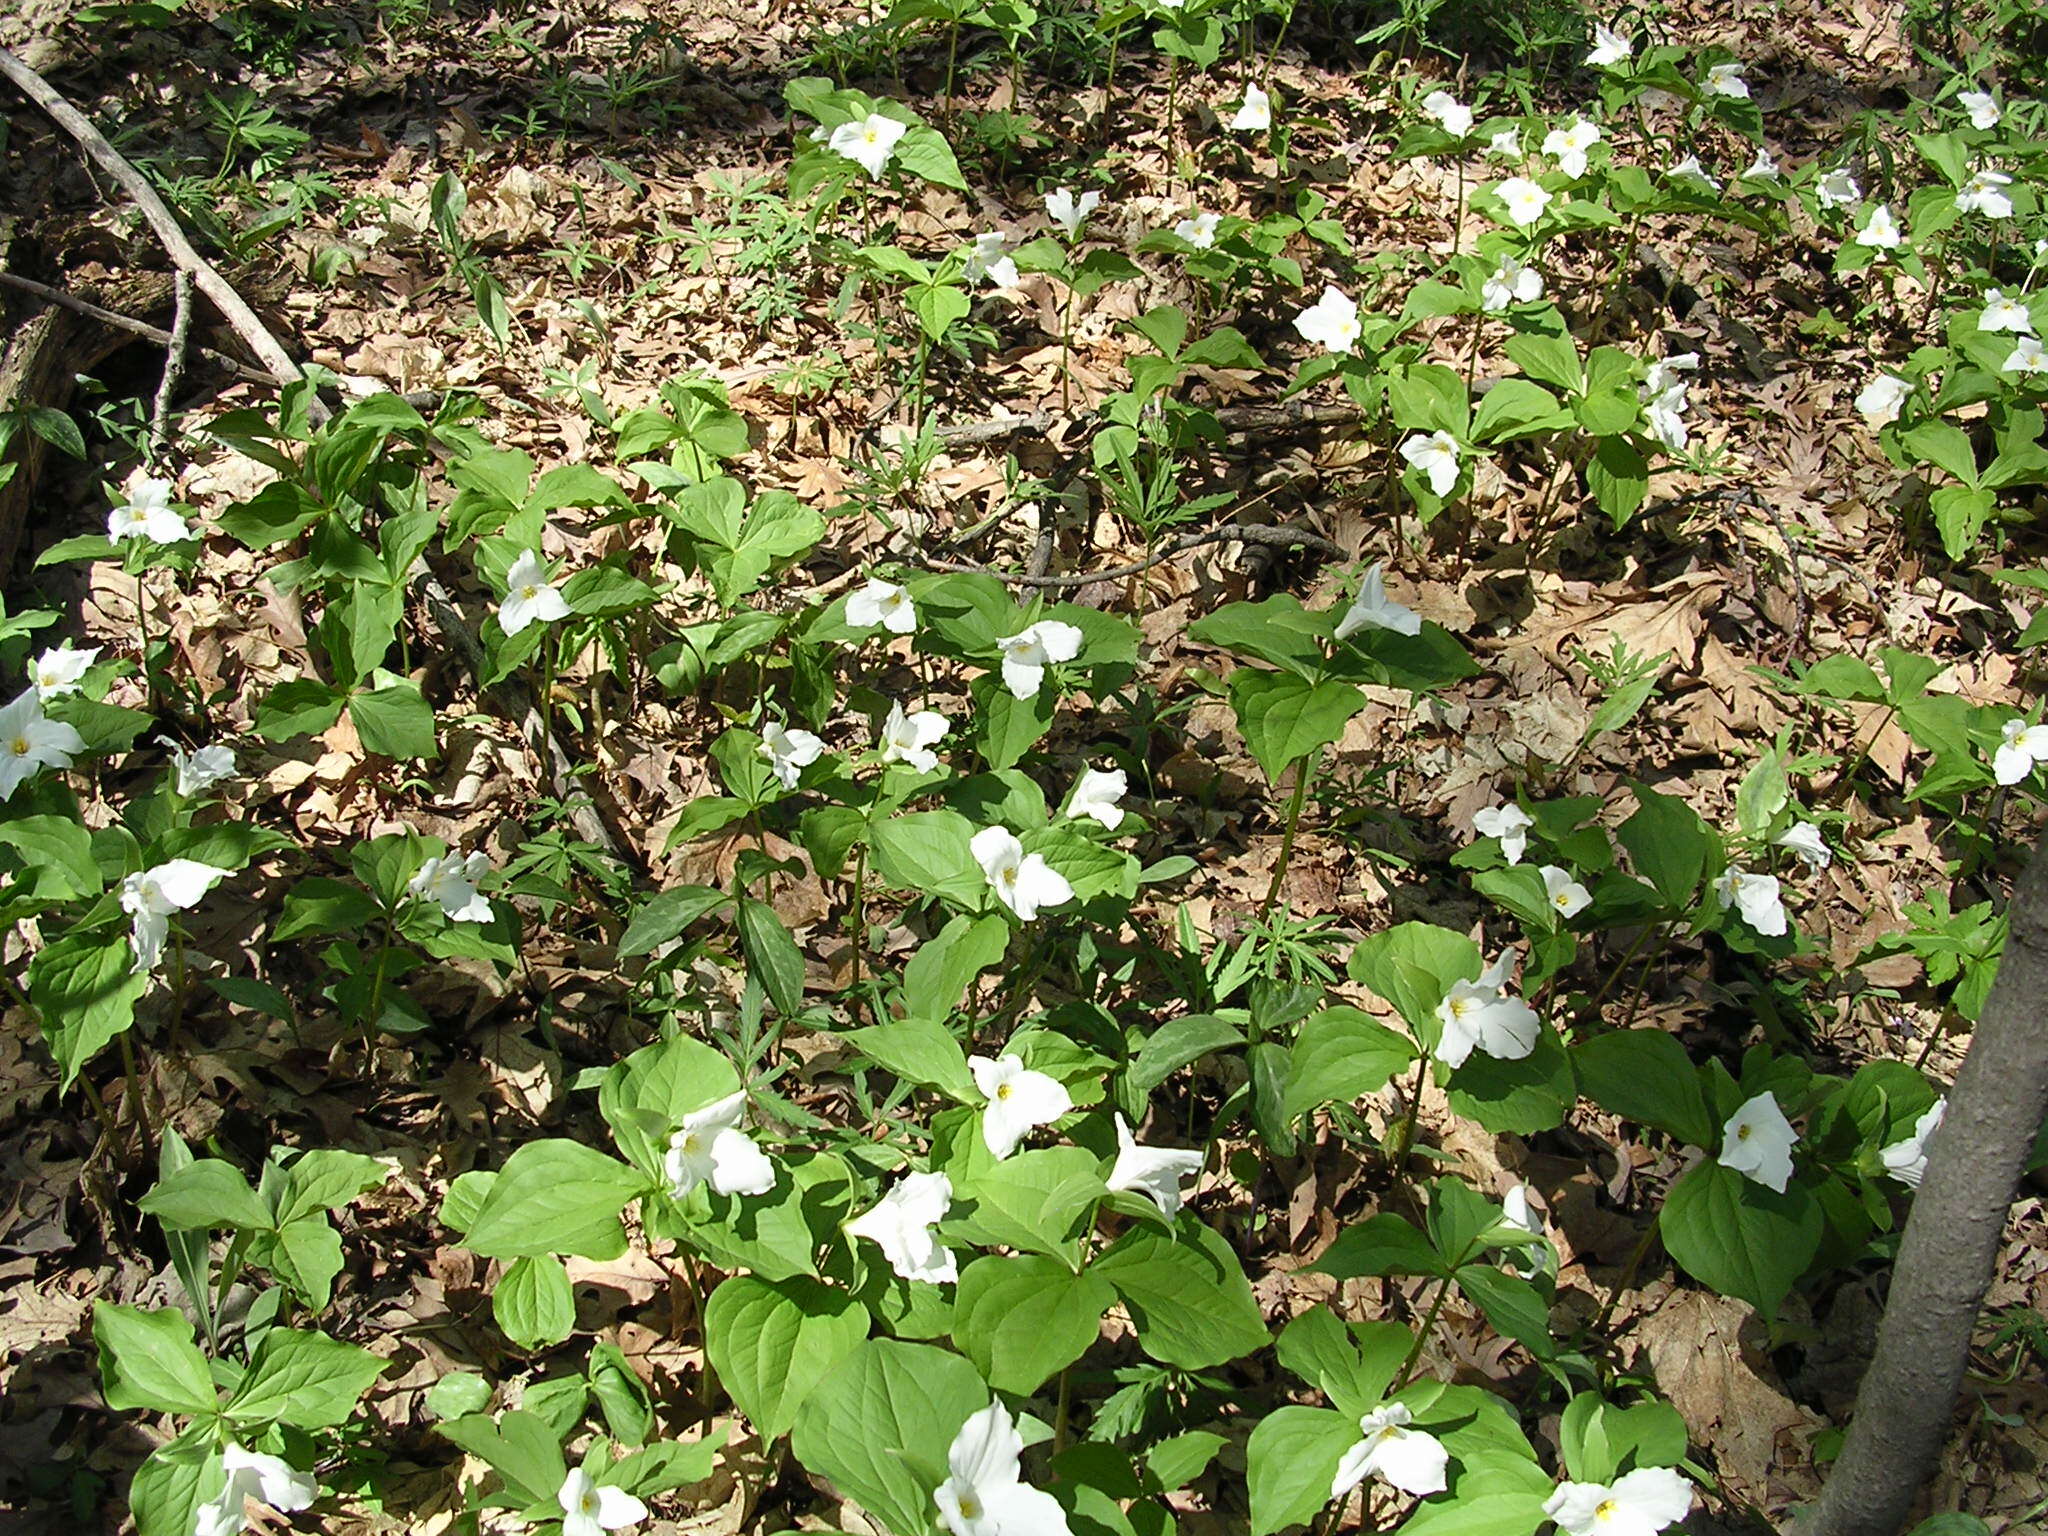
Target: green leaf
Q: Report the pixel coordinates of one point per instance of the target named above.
(1278, 630)
(621, 1395)
(1413, 966)
(148, 1360)
(395, 720)
(1290, 1462)
(1186, 1293)
(325, 1179)
(1599, 1439)
(928, 852)
(658, 1085)
(458, 1393)
(1491, 1493)
(1352, 1365)
(1339, 1056)
(880, 1423)
(773, 1341)
(1960, 514)
(555, 1196)
(1729, 1232)
(303, 1379)
(921, 1051)
(923, 151)
(772, 955)
(56, 854)
(1516, 1098)
(1384, 1244)
(171, 1484)
(1022, 1320)
(1178, 1042)
(665, 915)
(207, 1193)
(1036, 1200)
(306, 1255)
(1284, 718)
(1512, 1305)
(85, 987)
(946, 965)
(304, 706)
(533, 1301)
(1646, 1076)
(1671, 846)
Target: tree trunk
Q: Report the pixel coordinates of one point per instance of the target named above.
(1907, 1396)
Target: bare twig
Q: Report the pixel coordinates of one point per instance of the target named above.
(1285, 416)
(1248, 533)
(174, 364)
(142, 328)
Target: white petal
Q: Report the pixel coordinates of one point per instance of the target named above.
(1021, 1510)
(1039, 885)
(985, 1450)
(617, 1509)
(738, 1167)
(183, 882)
(1412, 1461)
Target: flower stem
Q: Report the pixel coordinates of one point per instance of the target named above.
(1436, 1306)
(856, 920)
(1302, 774)
(1059, 1418)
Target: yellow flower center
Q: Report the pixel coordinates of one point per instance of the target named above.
(529, 592)
(1004, 1090)
(1742, 1132)
(1607, 1509)
(970, 1507)
(19, 746)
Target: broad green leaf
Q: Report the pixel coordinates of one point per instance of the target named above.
(207, 1193)
(1187, 1294)
(1352, 1365)
(1178, 1042)
(927, 852)
(533, 1301)
(1284, 718)
(555, 1196)
(1289, 1464)
(1729, 1232)
(1413, 966)
(394, 720)
(880, 1423)
(303, 1379)
(1671, 846)
(1646, 1076)
(148, 1360)
(946, 965)
(773, 1341)
(1339, 1056)
(1599, 1439)
(921, 1051)
(1516, 1098)
(656, 1087)
(1513, 1305)
(172, 1483)
(1036, 1200)
(1385, 1244)
(85, 987)
(1022, 1320)
(772, 955)
(665, 915)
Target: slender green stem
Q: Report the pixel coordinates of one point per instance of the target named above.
(1273, 53)
(856, 919)
(135, 1091)
(1592, 1009)
(1059, 1418)
(1116, 42)
(1436, 1306)
(1066, 331)
(1303, 773)
(952, 55)
(1627, 1277)
(1406, 1139)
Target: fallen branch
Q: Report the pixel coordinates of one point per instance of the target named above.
(129, 323)
(174, 365)
(1242, 420)
(1264, 534)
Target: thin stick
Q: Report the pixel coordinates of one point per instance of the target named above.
(1247, 533)
(174, 365)
(142, 328)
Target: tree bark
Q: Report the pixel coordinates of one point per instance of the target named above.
(1907, 1397)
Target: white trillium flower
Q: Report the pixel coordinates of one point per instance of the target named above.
(1071, 212)
(1524, 200)
(986, 262)
(195, 772)
(1757, 1143)
(151, 896)
(529, 596)
(1985, 193)
(1032, 649)
(710, 1148)
(1906, 1160)
(1516, 1212)
(1609, 47)
(1512, 282)
(1479, 1014)
(2026, 357)
(1664, 395)
(1095, 796)
(1690, 169)
(1331, 322)
(1198, 229)
(1506, 143)
(1563, 892)
(58, 671)
(1448, 113)
(1640, 1503)
(1154, 1172)
(2002, 312)
(1568, 145)
(1411, 1460)
(451, 880)
(1803, 838)
(270, 1480)
(1256, 115)
(909, 738)
(1763, 168)
(1837, 189)
(1373, 609)
(984, 1493)
(30, 742)
(590, 1508)
(1435, 454)
(1510, 823)
(1756, 897)
(884, 603)
(1022, 881)
(868, 143)
(901, 1226)
(147, 514)
(1882, 399)
(1880, 230)
(2021, 749)
(788, 752)
(1726, 80)
(1019, 1100)
(1982, 107)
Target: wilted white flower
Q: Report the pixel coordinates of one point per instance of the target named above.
(710, 1148)
(153, 895)
(1565, 894)
(1985, 193)
(30, 741)
(1373, 609)
(1515, 1211)
(1568, 145)
(1256, 115)
(788, 752)
(1837, 189)
(1331, 322)
(1026, 654)
(58, 671)
(1019, 1100)
(1435, 454)
(195, 772)
(1448, 113)
(1803, 838)
(1480, 1015)
(1756, 898)
(590, 1508)
(1524, 200)
(1639, 1503)
(1022, 881)
(270, 1480)
(1690, 169)
(1198, 229)
(986, 262)
(2002, 312)
(1505, 143)
(1906, 1160)
(1512, 282)
(1882, 399)
(1510, 823)
(868, 143)
(884, 603)
(1982, 107)
(147, 514)
(983, 1494)
(1095, 796)
(2026, 357)
(451, 880)
(1609, 47)
(1757, 1143)
(529, 596)
(1763, 168)
(901, 1225)
(1071, 212)
(909, 738)
(1664, 397)
(1154, 1172)
(1726, 80)
(1412, 1460)
(2021, 749)
(1880, 230)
